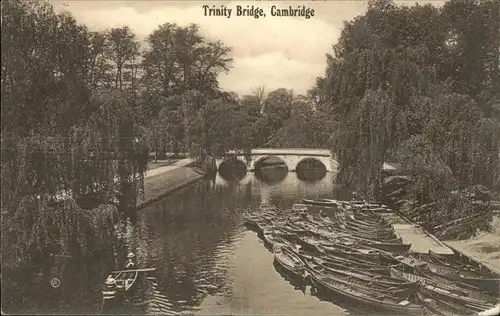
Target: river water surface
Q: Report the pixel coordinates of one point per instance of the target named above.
(207, 262)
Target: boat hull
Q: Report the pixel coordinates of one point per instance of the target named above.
(284, 256)
(367, 303)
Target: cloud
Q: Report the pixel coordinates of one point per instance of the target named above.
(272, 70)
(272, 51)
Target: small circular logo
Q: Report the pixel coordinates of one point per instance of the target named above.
(55, 282)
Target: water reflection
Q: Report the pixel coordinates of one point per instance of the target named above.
(232, 170)
(271, 174)
(311, 170)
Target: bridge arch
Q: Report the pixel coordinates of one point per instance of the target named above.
(312, 159)
(238, 160)
(311, 168)
(257, 160)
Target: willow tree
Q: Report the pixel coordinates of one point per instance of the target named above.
(393, 77)
(72, 159)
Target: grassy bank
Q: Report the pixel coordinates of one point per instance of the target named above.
(161, 185)
(161, 163)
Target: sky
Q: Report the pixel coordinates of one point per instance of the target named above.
(273, 52)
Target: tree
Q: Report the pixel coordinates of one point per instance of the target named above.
(123, 55)
(64, 141)
(180, 78)
(179, 59)
(386, 83)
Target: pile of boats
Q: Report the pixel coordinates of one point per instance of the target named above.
(348, 252)
(444, 222)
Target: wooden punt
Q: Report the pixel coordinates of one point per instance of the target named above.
(450, 287)
(321, 202)
(337, 250)
(288, 260)
(490, 285)
(364, 234)
(474, 292)
(443, 308)
(369, 223)
(383, 246)
(389, 247)
(351, 266)
(267, 207)
(460, 257)
(373, 300)
(466, 277)
(452, 298)
(354, 261)
(439, 259)
(351, 220)
(328, 220)
(367, 277)
(276, 236)
(357, 279)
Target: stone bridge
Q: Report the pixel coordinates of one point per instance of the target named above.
(291, 157)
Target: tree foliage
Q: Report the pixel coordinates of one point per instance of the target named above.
(72, 155)
(403, 78)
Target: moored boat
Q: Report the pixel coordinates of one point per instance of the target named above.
(299, 209)
(277, 236)
(288, 260)
(449, 262)
(373, 300)
(348, 265)
(321, 202)
(267, 206)
(439, 307)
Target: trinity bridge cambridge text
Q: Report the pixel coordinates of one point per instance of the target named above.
(257, 12)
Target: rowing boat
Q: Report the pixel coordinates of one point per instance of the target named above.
(452, 298)
(348, 265)
(288, 260)
(443, 308)
(373, 300)
(118, 286)
(321, 202)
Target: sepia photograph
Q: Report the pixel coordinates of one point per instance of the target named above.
(301, 157)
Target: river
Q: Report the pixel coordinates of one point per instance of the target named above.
(208, 263)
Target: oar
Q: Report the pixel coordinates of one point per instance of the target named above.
(133, 270)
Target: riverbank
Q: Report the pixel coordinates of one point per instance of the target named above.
(161, 163)
(165, 180)
(485, 246)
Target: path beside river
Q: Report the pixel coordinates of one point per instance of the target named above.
(162, 181)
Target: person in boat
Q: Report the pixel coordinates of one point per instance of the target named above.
(130, 261)
(110, 283)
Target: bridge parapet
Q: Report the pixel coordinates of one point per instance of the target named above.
(292, 151)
